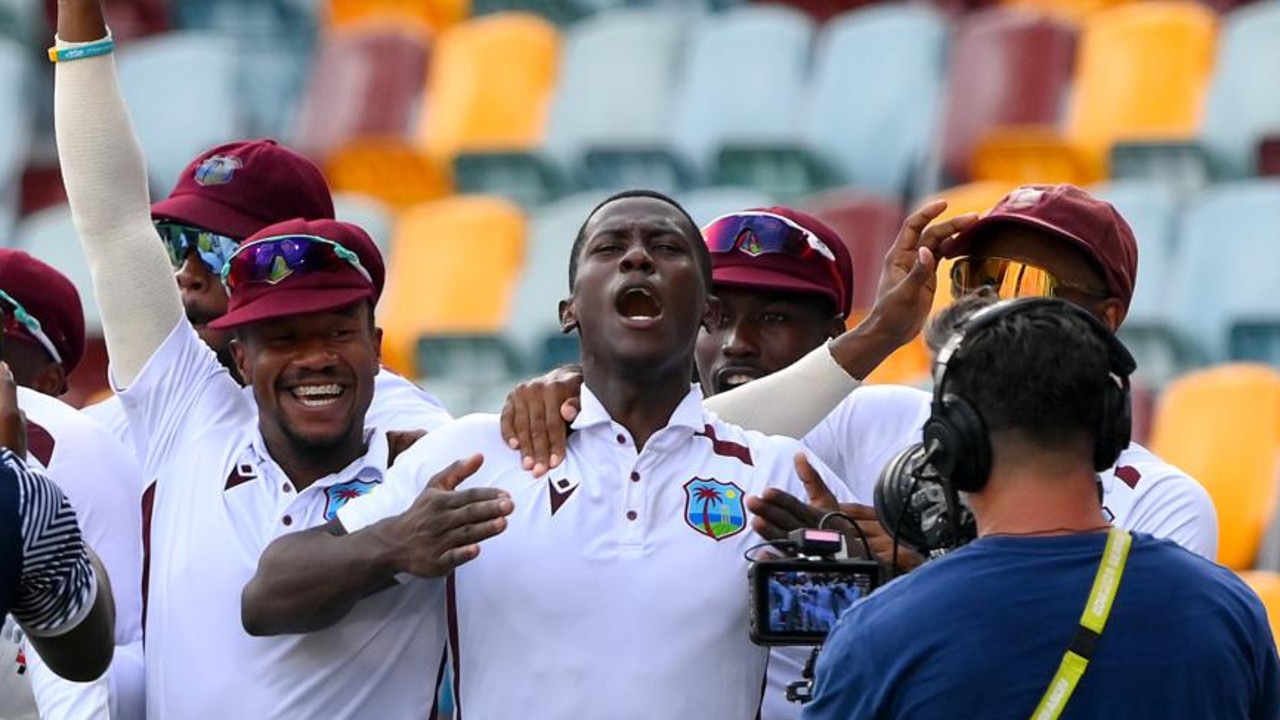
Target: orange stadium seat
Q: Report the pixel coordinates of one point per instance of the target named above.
(1222, 426)
(388, 169)
(1142, 71)
(910, 363)
(490, 84)
(1267, 585)
(1071, 10)
(435, 14)
(364, 83)
(453, 267)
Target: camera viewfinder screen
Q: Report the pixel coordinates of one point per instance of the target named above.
(809, 603)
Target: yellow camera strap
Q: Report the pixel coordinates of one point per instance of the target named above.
(1092, 622)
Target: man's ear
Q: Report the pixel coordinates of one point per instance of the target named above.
(836, 327)
(50, 380)
(241, 358)
(1113, 312)
(711, 313)
(568, 316)
(377, 345)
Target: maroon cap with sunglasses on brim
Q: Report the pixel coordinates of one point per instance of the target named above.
(1091, 224)
(810, 273)
(50, 298)
(239, 188)
(330, 285)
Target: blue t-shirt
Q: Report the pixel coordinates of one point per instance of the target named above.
(980, 633)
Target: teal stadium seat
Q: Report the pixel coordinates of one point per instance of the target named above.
(533, 324)
(372, 214)
(876, 88)
(50, 235)
(707, 204)
(739, 104)
(610, 117)
(182, 94)
(1150, 329)
(1225, 277)
(1241, 107)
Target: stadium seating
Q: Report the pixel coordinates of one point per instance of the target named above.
(877, 134)
(365, 82)
(51, 236)
(488, 97)
(764, 48)
(16, 131)
(1069, 10)
(1237, 114)
(1150, 328)
(609, 120)
(436, 14)
(867, 224)
(489, 85)
(534, 322)
(1222, 426)
(453, 266)
(1224, 277)
(1141, 73)
(183, 97)
(1008, 68)
(707, 204)
(390, 170)
(373, 216)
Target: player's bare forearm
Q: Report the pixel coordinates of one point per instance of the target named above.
(81, 20)
(310, 580)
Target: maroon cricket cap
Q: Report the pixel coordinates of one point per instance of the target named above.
(813, 273)
(1089, 223)
(50, 298)
(239, 188)
(307, 292)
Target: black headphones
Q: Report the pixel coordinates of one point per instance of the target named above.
(959, 448)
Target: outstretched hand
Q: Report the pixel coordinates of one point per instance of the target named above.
(535, 419)
(445, 526)
(909, 279)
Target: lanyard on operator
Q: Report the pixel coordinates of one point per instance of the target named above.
(1092, 622)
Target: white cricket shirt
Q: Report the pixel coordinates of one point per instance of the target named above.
(219, 500)
(619, 589)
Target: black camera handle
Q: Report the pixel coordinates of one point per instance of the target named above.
(801, 691)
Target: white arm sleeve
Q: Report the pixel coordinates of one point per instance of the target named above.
(106, 180)
(789, 402)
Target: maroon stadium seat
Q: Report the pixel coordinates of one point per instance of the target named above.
(1008, 67)
(1269, 156)
(365, 83)
(868, 224)
(823, 10)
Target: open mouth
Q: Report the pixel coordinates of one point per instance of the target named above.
(730, 378)
(638, 303)
(317, 396)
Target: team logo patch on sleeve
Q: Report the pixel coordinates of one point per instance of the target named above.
(335, 496)
(714, 508)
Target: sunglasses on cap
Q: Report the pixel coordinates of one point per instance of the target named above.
(179, 240)
(762, 233)
(273, 259)
(1010, 279)
(16, 318)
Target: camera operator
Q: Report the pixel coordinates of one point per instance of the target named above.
(1025, 397)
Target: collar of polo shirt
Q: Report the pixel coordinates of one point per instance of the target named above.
(688, 413)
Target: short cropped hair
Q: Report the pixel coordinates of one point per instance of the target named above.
(691, 229)
(1040, 372)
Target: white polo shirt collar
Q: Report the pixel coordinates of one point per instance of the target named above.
(688, 414)
(368, 467)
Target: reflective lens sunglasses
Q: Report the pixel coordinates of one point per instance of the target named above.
(1010, 279)
(761, 233)
(16, 318)
(273, 259)
(213, 249)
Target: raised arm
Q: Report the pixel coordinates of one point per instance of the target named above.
(310, 580)
(106, 180)
(793, 400)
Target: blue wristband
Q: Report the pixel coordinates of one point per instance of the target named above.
(80, 52)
